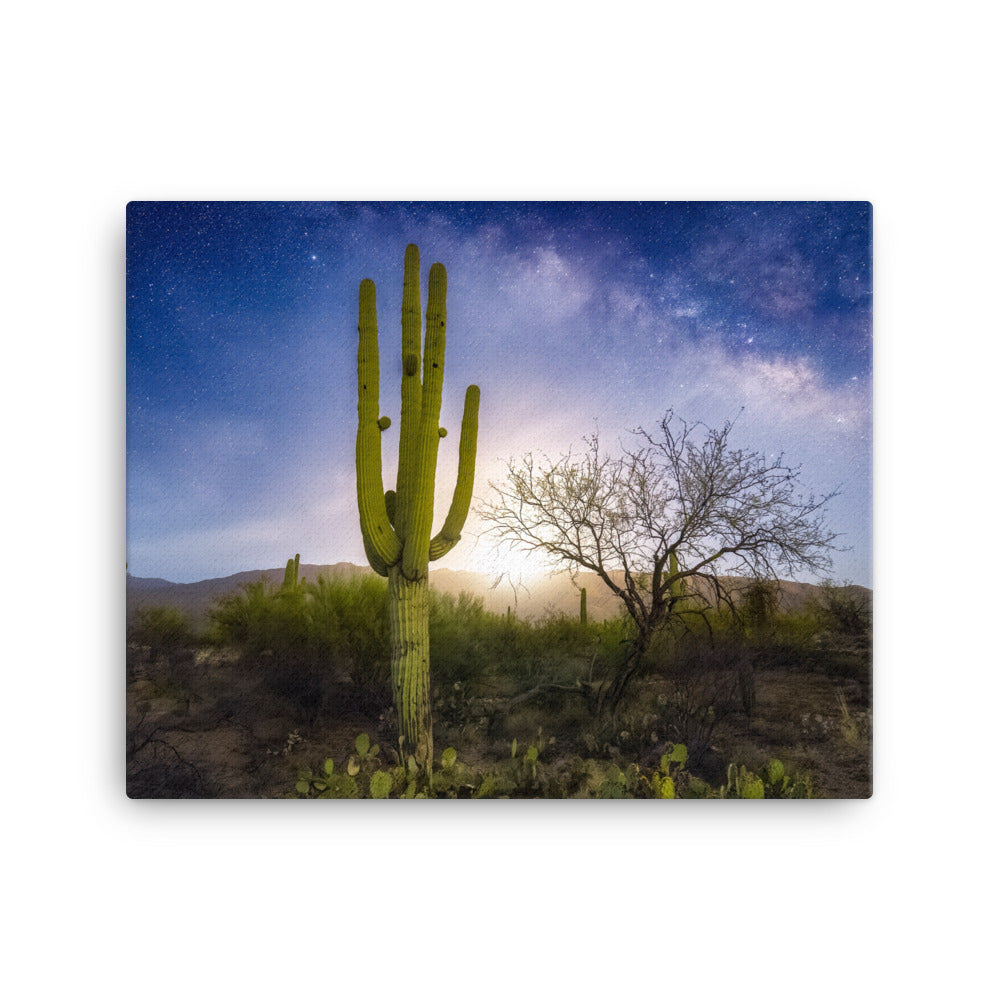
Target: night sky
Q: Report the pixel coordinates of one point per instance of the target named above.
(572, 317)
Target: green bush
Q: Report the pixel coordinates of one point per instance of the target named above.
(463, 639)
(163, 630)
(558, 649)
(161, 640)
(301, 635)
(350, 628)
(249, 620)
(845, 611)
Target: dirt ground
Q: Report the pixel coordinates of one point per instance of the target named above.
(208, 728)
(218, 733)
(800, 720)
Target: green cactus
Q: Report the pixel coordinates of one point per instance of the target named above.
(742, 783)
(583, 605)
(677, 586)
(291, 580)
(380, 785)
(396, 525)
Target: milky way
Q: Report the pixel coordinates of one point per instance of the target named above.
(572, 317)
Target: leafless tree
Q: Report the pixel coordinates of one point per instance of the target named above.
(667, 524)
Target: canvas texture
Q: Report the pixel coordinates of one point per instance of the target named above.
(492, 500)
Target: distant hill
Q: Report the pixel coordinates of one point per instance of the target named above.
(196, 599)
(537, 598)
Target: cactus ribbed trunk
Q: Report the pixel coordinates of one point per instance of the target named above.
(411, 665)
(396, 525)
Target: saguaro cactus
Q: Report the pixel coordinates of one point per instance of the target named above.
(291, 579)
(583, 605)
(677, 586)
(396, 525)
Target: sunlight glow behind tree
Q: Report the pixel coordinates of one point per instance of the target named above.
(666, 525)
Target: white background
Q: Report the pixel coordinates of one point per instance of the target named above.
(107, 102)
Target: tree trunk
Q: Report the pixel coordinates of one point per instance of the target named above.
(613, 693)
(411, 680)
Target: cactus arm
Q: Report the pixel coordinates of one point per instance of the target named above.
(379, 538)
(416, 544)
(390, 506)
(451, 531)
(410, 389)
(374, 559)
(291, 580)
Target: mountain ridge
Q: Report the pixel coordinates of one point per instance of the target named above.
(544, 595)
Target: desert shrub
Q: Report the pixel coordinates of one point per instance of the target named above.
(759, 607)
(573, 648)
(773, 639)
(161, 775)
(706, 680)
(163, 630)
(270, 628)
(246, 618)
(349, 628)
(163, 638)
(154, 767)
(476, 655)
(796, 633)
(463, 638)
(831, 635)
(557, 650)
(287, 629)
(845, 612)
(855, 725)
(297, 637)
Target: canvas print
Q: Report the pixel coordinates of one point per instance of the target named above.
(486, 500)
